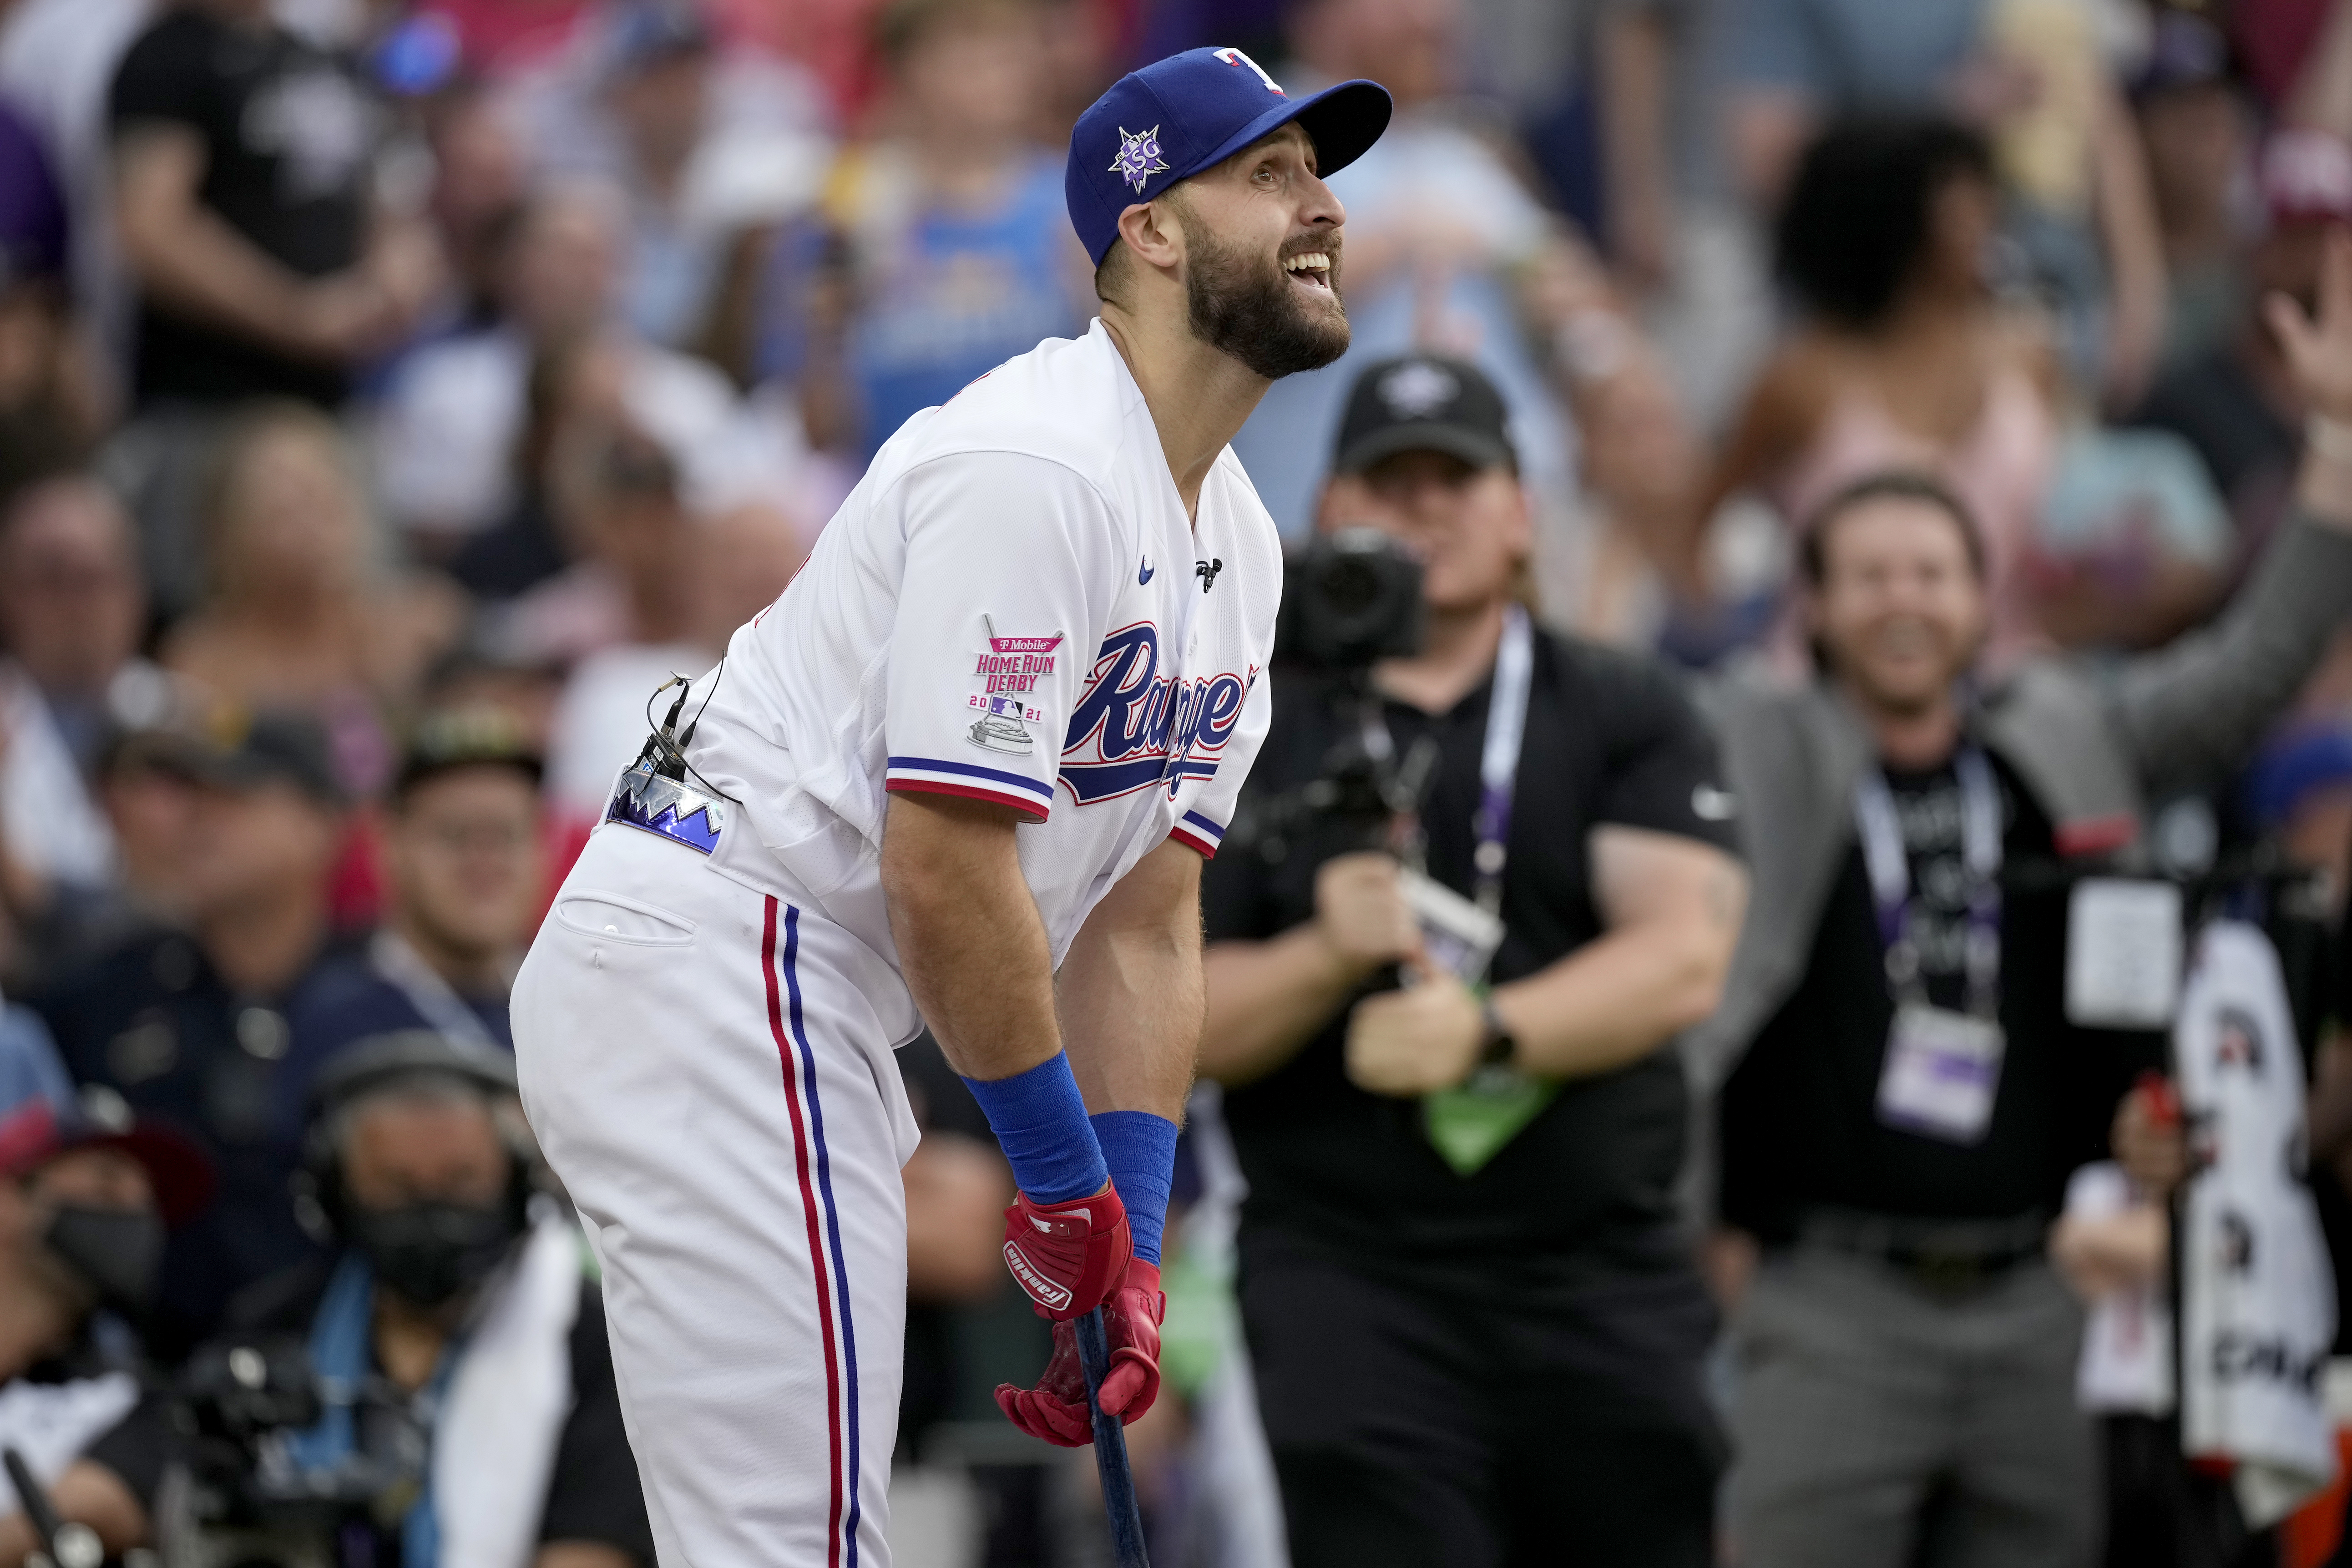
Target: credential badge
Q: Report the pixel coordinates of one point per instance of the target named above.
(1139, 156)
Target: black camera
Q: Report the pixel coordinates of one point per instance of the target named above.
(252, 1500)
(1351, 598)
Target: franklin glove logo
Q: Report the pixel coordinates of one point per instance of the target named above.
(1039, 1290)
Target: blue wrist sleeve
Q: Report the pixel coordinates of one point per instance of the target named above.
(1140, 1151)
(1040, 1122)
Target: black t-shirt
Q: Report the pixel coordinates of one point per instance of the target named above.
(593, 1493)
(1611, 739)
(1799, 1116)
(290, 134)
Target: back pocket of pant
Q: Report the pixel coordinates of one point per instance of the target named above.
(616, 917)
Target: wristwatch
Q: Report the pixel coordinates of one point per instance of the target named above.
(1497, 1046)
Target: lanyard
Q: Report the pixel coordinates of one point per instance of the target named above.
(1499, 760)
(1889, 867)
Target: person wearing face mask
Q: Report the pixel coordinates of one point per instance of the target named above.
(87, 1194)
(457, 1303)
(1951, 991)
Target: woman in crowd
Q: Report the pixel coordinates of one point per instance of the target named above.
(299, 613)
(1904, 354)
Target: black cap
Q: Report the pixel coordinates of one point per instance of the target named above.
(467, 738)
(233, 748)
(1424, 403)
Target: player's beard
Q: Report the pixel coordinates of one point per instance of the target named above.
(1245, 304)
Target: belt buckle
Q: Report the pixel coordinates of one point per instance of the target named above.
(667, 809)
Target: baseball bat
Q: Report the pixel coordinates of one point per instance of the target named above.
(1111, 1449)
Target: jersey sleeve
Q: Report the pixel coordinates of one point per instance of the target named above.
(1201, 823)
(1010, 563)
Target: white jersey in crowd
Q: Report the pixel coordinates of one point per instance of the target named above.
(1010, 606)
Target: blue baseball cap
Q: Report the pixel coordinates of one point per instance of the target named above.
(1191, 112)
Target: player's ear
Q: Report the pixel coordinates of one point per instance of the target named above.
(1150, 229)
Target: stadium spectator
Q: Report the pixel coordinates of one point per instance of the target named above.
(245, 210)
(246, 158)
(71, 608)
(940, 249)
(709, 147)
(84, 1203)
(500, 1437)
(446, 431)
(192, 1025)
(1916, 1085)
(477, 191)
(2198, 130)
(2236, 404)
(1904, 355)
(297, 615)
(464, 855)
(2034, 77)
(1477, 1337)
(1446, 248)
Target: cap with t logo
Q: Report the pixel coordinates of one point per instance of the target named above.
(1190, 111)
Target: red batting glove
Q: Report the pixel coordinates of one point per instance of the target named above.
(1068, 1256)
(1056, 1409)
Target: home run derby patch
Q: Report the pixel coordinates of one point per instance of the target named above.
(1012, 667)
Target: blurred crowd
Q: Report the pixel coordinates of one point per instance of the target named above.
(394, 393)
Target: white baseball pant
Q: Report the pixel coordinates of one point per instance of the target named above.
(708, 1071)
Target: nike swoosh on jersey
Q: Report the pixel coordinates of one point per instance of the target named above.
(1143, 573)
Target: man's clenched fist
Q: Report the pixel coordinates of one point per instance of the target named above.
(1066, 1257)
(1056, 1409)
(1414, 1041)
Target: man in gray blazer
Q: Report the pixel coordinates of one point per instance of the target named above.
(1904, 1088)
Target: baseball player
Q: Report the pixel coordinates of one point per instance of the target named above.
(963, 772)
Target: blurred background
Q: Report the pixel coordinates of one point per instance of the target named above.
(392, 395)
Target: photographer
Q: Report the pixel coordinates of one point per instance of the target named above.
(84, 1203)
(1477, 1333)
(479, 1421)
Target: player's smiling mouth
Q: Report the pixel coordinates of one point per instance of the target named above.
(1311, 268)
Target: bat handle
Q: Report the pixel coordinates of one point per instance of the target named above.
(1110, 1447)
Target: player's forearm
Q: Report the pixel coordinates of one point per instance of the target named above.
(969, 940)
(1267, 999)
(1615, 1000)
(1131, 989)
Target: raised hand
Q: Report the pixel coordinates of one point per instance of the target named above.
(2318, 350)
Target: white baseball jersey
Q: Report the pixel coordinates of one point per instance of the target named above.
(1011, 606)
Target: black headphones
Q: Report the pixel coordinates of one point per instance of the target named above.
(320, 1203)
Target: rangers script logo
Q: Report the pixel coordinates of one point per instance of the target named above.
(1135, 728)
